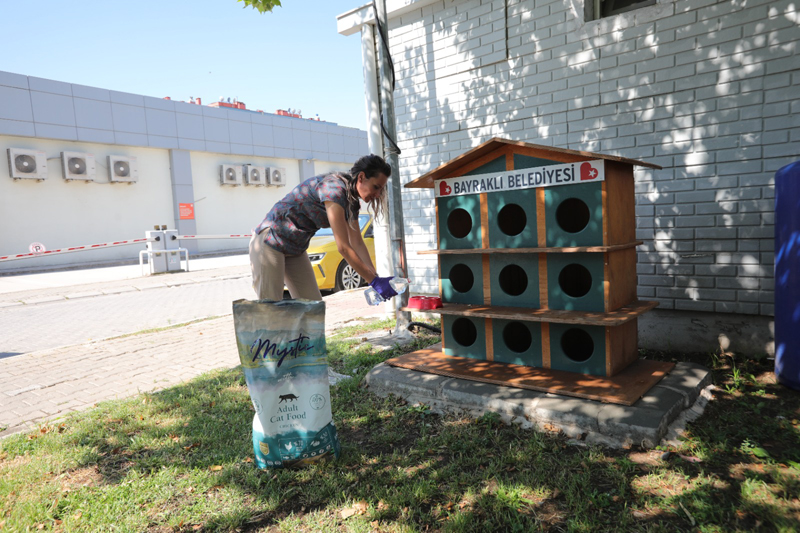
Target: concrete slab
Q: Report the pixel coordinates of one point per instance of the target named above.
(381, 340)
(645, 423)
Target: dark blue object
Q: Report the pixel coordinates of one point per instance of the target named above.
(787, 275)
(383, 287)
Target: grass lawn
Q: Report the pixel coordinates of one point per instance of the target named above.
(181, 460)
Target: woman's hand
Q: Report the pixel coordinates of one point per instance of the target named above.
(383, 287)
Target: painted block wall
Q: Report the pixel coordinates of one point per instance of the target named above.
(707, 89)
(324, 167)
(233, 210)
(60, 213)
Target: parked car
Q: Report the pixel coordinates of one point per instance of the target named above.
(331, 270)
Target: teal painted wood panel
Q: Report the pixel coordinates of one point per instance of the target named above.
(514, 280)
(462, 279)
(581, 206)
(575, 348)
(495, 165)
(459, 219)
(526, 161)
(512, 219)
(517, 342)
(464, 336)
(575, 281)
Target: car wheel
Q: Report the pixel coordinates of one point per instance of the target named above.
(347, 278)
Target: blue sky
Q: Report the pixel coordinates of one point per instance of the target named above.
(290, 58)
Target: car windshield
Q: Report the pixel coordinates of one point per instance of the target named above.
(362, 222)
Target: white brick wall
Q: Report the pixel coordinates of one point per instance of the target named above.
(710, 90)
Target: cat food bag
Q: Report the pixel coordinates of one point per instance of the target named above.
(282, 351)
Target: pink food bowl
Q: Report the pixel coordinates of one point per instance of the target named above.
(424, 302)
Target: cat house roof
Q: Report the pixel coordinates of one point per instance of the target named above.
(497, 147)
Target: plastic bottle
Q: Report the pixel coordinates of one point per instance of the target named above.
(398, 284)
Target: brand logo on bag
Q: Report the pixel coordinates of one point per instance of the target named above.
(524, 178)
(267, 350)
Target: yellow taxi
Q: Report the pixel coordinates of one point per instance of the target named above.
(331, 270)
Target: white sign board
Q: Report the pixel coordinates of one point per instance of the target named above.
(524, 178)
(37, 248)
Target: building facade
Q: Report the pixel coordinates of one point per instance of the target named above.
(707, 89)
(177, 152)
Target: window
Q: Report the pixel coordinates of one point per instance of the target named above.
(328, 232)
(597, 9)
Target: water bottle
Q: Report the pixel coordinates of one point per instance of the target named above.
(398, 284)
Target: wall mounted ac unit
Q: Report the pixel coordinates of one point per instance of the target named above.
(27, 164)
(277, 176)
(123, 169)
(230, 175)
(254, 175)
(77, 166)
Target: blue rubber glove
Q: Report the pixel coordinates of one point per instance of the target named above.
(382, 287)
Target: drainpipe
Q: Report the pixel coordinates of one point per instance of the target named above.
(375, 142)
(396, 229)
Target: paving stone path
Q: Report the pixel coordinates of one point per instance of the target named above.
(43, 384)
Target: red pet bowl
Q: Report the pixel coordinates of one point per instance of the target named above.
(424, 302)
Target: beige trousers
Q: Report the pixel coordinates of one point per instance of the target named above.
(272, 269)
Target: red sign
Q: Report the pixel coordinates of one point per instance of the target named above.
(186, 211)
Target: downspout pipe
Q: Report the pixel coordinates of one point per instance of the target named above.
(396, 224)
(375, 142)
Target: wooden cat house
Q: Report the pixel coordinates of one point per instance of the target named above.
(537, 272)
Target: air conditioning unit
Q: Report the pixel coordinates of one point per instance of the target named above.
(77, 166)
(254, 175)
(27, 164)
(230, 175)
(122, 169)
(277, 176)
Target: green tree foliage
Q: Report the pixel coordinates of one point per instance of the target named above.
(261, 5)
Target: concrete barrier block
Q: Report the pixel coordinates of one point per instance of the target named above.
(562, 410)
(687, 379)
(385, 379)
(632, 425)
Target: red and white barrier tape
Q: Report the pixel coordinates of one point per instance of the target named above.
(73, 249)
(182, 237)
(116, 243)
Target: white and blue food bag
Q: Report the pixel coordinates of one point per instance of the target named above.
(285, 362)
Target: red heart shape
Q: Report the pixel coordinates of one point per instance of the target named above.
(588, 172)
(444, 189)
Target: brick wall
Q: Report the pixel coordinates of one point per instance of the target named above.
(709, 90)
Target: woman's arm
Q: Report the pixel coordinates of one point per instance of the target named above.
(349, 242)
(358, 244)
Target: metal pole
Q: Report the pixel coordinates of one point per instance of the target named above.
(397, 248)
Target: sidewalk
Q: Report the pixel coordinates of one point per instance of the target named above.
(30, 289)
(44, 385)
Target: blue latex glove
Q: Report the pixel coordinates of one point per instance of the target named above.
(382, 287)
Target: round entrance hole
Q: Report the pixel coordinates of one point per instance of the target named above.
(575, 280)
(464, 332)
(577, 344)
(462, 278)
(459, 223)
(517, 337)
(572, 215)
(513, 280)
(512, 219)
